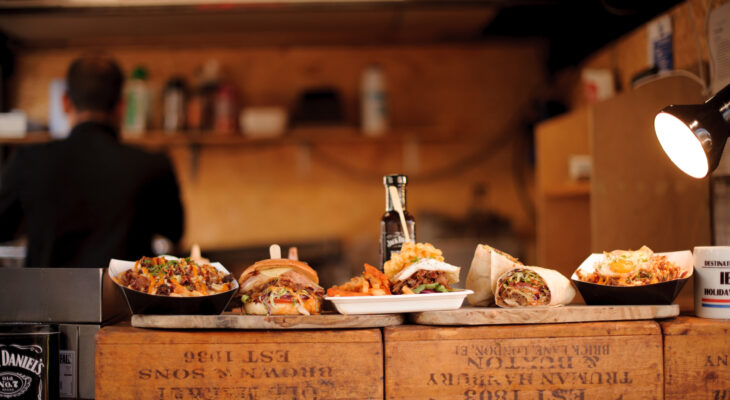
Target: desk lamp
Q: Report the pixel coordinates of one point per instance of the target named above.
(693, 136)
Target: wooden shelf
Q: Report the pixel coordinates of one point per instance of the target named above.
(572, 189)
(30, 138)
(297, 136)
(54, 23)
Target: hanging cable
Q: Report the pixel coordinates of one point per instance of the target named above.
(700, 67)
(707, 39)
(480, 155)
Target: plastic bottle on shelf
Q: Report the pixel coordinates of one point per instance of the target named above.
(225, 110)
(173, 119)
(194, 105)
(373, 102)
(137, 103)
(201, 104)
(210, 82)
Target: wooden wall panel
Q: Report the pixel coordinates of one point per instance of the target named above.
(563, 205)
(557, 139)
(467, 88)
(458, 100)
(639, 197)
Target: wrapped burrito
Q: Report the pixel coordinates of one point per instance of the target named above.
(525, 286)
(479, 279)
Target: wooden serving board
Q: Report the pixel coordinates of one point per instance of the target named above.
(238, 321)
(542, 315)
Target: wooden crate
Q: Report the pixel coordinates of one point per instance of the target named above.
(136, 363)
(603, 360)
(696, 357)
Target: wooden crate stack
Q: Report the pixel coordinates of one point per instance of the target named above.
(681, 358)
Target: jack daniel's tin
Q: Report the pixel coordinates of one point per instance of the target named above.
(712, 282)
(28, 361)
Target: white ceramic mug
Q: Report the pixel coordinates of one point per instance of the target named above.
(712, 281)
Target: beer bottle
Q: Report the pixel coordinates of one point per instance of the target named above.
(391, 231)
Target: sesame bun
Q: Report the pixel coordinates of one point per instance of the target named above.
(280, 265)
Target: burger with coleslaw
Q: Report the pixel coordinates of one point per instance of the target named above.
(280, 287)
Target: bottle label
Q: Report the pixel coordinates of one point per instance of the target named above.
(21, 368)
(67, 371)
(394, 241)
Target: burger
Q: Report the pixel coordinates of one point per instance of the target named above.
(280, 287)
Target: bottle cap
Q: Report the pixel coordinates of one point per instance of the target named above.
(395, 180)
(175, 82)
(139, 73)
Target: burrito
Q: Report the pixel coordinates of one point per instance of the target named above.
(479, 279)
(525, 286)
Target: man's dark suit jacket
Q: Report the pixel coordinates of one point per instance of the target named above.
(87, 199)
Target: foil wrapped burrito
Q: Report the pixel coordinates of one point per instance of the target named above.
(479, 279)
(525, 286)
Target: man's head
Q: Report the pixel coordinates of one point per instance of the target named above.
(94, 88)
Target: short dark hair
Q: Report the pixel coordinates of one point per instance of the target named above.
(94, 83)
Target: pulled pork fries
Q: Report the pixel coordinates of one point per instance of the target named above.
(632, 268)
(522, 287)
(176, 278)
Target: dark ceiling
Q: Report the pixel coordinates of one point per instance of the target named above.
(574, 28)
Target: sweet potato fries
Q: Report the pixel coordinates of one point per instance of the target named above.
(371, 283)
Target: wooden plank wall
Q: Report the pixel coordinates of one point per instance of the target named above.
(634, 181)
(563, 220)
(460, 100)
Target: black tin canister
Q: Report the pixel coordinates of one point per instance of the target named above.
(29, 361)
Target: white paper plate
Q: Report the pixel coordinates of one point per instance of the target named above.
(401, 303)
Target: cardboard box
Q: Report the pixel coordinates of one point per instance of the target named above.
(603, 360)
(136, 363)
(696, 357)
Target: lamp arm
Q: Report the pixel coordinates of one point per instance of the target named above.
(721, 102)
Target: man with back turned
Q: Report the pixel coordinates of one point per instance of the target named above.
(89, 198)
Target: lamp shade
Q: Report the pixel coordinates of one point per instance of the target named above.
(693, 136)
